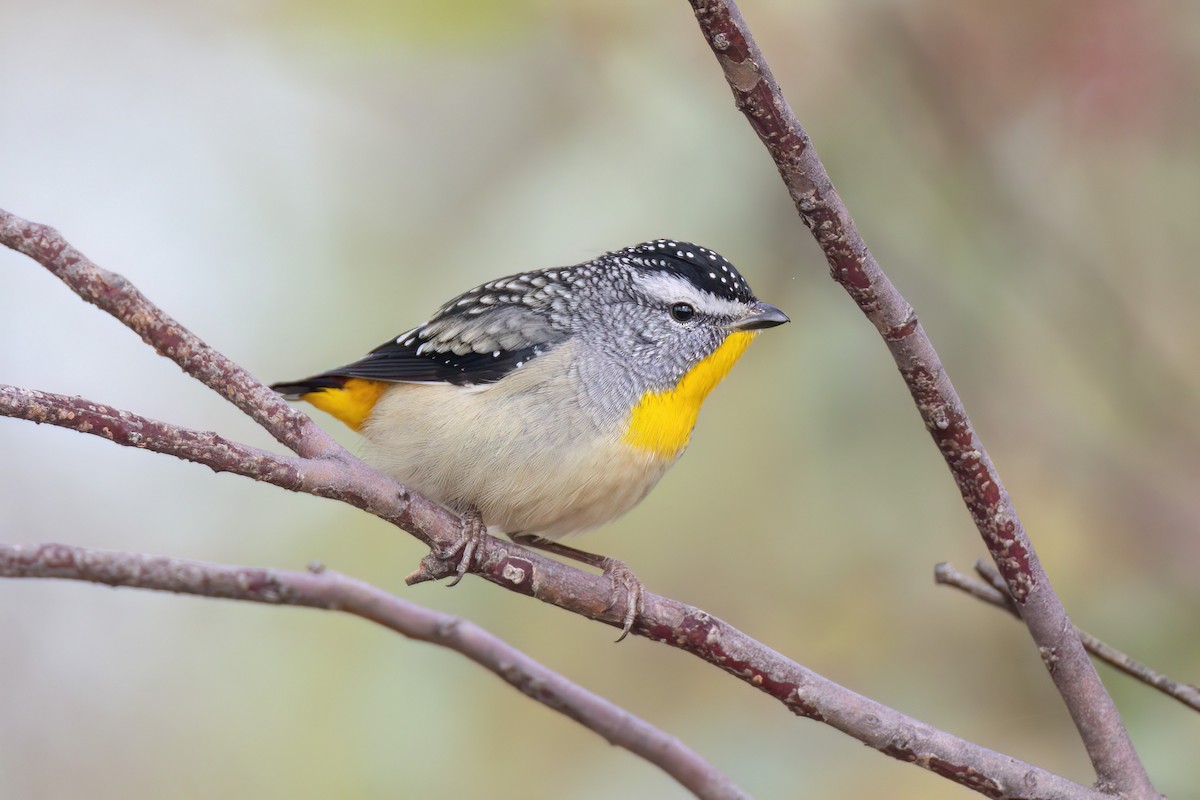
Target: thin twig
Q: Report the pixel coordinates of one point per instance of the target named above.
(759, 97)
(334, 592)
(988, 592)
(336, 474)
(945, 574)
(996, 581)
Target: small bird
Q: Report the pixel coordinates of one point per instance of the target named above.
(551, 402)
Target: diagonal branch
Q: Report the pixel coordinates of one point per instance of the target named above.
(759, 97)
(333, 592)
(338, 475)
(116, 295)
(991, 594)
(350, 481)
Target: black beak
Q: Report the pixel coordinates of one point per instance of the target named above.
(762, 315)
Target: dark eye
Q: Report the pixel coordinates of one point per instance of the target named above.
(682, 312)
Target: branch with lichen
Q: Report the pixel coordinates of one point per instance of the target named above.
(994, 592)
(758, 96)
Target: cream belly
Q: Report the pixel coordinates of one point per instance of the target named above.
(517, 450)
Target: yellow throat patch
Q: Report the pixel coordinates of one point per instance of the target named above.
(352, 403)
(661, 423)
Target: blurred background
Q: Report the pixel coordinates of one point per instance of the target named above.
(299, 181)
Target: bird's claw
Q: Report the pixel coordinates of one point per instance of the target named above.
(628, 586)
(473, 531)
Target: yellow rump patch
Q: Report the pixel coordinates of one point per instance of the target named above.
(352, 403)
(662, 422)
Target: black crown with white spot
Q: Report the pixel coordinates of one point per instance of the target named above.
(706, 269)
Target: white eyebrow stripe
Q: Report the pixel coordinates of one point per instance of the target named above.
(670, 288)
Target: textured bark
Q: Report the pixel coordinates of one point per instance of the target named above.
(759, 98)
(333, 592)
(995, 593)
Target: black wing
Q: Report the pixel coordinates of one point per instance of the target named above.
(397, 362)
(479, 337)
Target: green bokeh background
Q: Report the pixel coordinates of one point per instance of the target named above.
(298, 181)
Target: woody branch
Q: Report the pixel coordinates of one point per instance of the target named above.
(330, 591)
(993, 591)
(759, 98)
(325, 469)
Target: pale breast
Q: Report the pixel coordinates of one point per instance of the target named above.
(522, 451)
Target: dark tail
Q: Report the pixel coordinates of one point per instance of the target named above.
(293, 390)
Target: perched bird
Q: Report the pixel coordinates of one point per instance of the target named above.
(550, 402)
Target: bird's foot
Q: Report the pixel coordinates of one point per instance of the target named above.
(628, 586)
(625, 585)
(473, 531)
